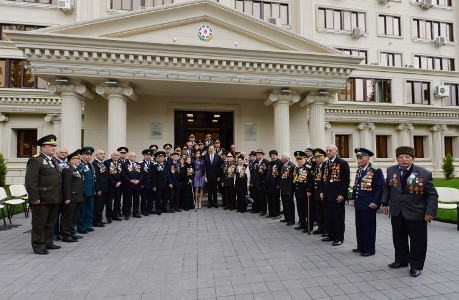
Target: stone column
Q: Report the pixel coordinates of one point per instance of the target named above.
(117, 113)
(365, 134)
(404, 137)
(281, 101)
(3, 142)
(438, 147)
(71, 112)
(56, 119)
(316, 104)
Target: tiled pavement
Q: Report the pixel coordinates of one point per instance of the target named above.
(217, 254)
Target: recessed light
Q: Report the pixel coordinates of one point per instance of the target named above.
(216, 116)
(214, 121)
(190, 120)
(189, 115)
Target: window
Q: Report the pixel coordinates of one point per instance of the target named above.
(449, 145)
(264, 10)
(389, 25)
(26, 139)
(16, 27)
(367, 90)
(425, 29)
(440, 2)
(451, 100)
(390, 59)
(418, 92)
(418, 146)
(434, 63)
(342, 142)
(382, 146)
(13, 74)
(354, 52)
(341, 19)
(54, 2)
(137, 4)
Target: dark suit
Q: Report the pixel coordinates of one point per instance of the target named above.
(241, 184)
(174, 171)
(148, 196)
(410, 197)
(259, 180)
(286, 190)
(336, 183)
(131, 197)
(228, 184)
(318, 184)
(160, 181)
(43, 182)
(102, 186)
(368, 188)
(213, 173)
(272, 187)
(73, 189)
(302, 185)
(114, 195)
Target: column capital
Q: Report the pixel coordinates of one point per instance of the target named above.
(52, 118)
(3, 118)
(106, 91)
(78, 89)
(278, 96)
(327, 125)
(318, 98)
(366, 126)
(404, 127)
(439, 128)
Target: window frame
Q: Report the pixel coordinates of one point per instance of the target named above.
(385, 26)
(413, 92)
(348, 140)
(130, 4)
(262, 4)
(342, 19)
(7, 75)
(351, 92)
(450, 62)
(345, 50)
(19, 143)
(433, 28)
(453, 88)
(388, 53)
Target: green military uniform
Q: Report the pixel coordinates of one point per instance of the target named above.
(43, 182)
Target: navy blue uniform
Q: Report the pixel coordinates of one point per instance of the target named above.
(368, 188)
(86, 216)
(114, 170)
(102, 186)
(272, 187)
(131, 174)
(259, 180)
(147, 194)
(302, 180)
(286, 190)
(161, 180)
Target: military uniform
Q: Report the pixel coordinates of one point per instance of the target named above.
(174, 171)
(241, 184)
(114, 195)
(132, 173)
(161, 182)
(43, 182)
(228, 174)
(286, 190)
(302, 180)
(86, 217)
(103, 186)
(147, 194)
(272, 187)
(259, 180)
(318, 188)
(62, 163)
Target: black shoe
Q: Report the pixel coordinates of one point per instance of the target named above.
(216, 206)
(57, 238)
(415, 272)
(172, 211)
(82, 232)
(326, 239)
(364, 254)
(263, 213)
(145, 214)
(317, 231)
(305, 231)
(225, 208)
(284, 221)
(177, 210)
(77, 237)
(126, 218)
(90, 229)
(52, 246)
(69, 239)
(208, 206)
(337, 243)
(137, 216)
(116, 218)
(41, 252)
(151, 212)
(299, 227)
(356, 250)
(99, 225)
(290, 223)
(158, 212)
(324, 235)
(109, 221)
(396, 265)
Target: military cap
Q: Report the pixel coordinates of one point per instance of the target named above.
(49, 139)
(147, 151)
(217, 141)
(74, 154)
(174, 153)
(260, 151)
(177, 148)
(87, 150)
(240, 155)
(198, 151)
(273, 152)
(405, 150)
(160, 153)
(191, 135)
(185, 147)
(154, 147)
(122, 150)
(208, 134)
(309, 147)
(252, 153)
(363, 152)
(319, 152)
(200, 142)
(167, 146)
(299, 154)
(229, 154)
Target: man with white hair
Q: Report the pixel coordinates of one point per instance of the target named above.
(286, 189)
(114, 168)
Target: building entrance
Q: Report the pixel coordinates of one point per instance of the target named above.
(219, 124)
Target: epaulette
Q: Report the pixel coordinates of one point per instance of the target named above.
(36, 155)
(308, 166)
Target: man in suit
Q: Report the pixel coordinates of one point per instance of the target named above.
(174, 171)
(43, 184)
(61, 154)
(86, 216)
(102, 189)
(366, 197)
(114, 168)
(131, 180)
(73, 190)
(286, 189)
(147, 194)
(272, 185)
(259, 180)
(336, 184)
(161, 182)
(317, 191)
(212, 164)
(413, 201)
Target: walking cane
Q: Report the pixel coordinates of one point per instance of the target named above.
(309, 221)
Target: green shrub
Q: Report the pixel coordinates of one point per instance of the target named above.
(3, 170)
(448, 166)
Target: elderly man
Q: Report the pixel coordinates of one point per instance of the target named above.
(258, 180)
(272, 185)
(336, 183)
(132, 173)
(102, 189)
(86, 217)
(43, 184)
(413, 201)
(61, 154)
(114, 168)
(286, 189)
(317, 191)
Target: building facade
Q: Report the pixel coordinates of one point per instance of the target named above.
(269, 74)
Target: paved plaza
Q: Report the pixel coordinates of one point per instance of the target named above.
(218, 254)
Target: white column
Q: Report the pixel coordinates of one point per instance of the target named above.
(438, 146)
(56, 119)
(365, 134)
(316, 104)
(282, 101)
(404, 137)
(71, 112)
(3, 143)
(117, 113)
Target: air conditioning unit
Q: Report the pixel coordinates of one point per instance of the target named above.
(441, 40)
(275, 21)
(383, 1)
(409, 66)
(357, 33)
(66, 6)
(426, 4)
(441, 91)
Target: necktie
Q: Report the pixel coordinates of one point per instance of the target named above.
(211, 158)
(50, 161)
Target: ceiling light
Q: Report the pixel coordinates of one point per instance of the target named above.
(216, 116)
(189, 115)
(214, 121)
(190, 120)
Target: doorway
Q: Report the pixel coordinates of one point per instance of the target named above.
(219, 124)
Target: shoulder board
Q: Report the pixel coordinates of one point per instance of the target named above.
(308, 166)
(36, 155)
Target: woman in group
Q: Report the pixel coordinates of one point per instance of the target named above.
(186, 183)
(198, 166)
(241, 183)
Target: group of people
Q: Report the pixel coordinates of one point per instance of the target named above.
(69, 192)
